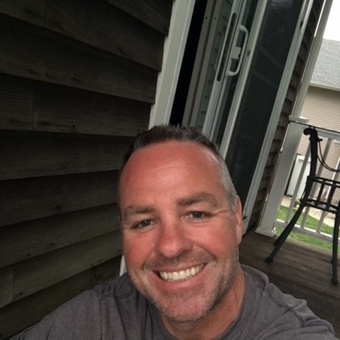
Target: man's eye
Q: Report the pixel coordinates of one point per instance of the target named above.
(143, 224)
(197, 215)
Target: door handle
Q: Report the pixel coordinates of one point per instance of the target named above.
(237, 52)
(226, 47)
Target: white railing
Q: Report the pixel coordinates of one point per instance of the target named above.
(290, 179)
(330, 153)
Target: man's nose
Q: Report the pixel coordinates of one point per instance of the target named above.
(172, 239)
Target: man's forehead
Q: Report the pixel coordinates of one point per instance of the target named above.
(189, 158)
(172, 149)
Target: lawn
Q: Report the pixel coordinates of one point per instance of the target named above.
(311, 223)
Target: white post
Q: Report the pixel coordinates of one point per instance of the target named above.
(174, 47)
(280, 181)
(312, 60)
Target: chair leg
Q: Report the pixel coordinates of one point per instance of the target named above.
(282, 238)
(335, 248)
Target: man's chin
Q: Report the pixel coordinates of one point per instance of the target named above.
(185, 313)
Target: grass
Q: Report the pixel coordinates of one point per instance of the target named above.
(311, 223)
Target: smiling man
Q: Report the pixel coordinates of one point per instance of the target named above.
(181, 221)
(181, 233)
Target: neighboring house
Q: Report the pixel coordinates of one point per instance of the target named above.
(327, 68)
(78, 79)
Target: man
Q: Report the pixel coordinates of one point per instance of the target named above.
(182, 223)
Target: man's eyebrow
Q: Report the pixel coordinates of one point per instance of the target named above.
(184, 202)
(198, 198)
(136, 210)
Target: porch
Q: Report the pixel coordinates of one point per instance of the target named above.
(299, 269)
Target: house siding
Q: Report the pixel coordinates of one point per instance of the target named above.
(77, 81)
(322, 107)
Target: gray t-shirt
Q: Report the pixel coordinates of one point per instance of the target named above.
(118, 311)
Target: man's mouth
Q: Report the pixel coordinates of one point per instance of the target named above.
(181, 275)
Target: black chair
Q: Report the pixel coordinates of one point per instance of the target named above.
(314, 197)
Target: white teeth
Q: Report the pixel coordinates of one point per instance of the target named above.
(181, 275)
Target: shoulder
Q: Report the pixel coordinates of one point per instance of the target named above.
(120, 288)
(85, 316)
(280, 315)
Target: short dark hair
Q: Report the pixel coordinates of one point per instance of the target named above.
(164, 133)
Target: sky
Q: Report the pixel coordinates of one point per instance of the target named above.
(332, 31)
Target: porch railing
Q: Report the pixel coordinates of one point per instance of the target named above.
(290, 179)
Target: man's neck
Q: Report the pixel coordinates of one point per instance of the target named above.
(218, 320)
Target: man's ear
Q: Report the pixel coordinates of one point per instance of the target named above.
(239, 220)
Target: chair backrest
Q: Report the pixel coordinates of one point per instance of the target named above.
(319, 191)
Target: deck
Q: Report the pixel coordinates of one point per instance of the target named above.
(298, 269)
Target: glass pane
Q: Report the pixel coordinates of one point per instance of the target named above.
(270, 55)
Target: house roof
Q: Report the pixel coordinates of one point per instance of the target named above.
(327, 68)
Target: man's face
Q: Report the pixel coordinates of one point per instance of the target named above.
(180, 236)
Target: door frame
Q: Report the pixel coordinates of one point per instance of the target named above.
(174, 46)
(277, 108)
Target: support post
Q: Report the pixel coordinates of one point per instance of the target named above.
(288, 154)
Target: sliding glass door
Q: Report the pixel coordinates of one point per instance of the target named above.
(240, 63)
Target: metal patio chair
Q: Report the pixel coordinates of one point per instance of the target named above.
(314, 197)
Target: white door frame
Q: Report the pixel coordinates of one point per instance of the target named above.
(174, 47)
(275, 115)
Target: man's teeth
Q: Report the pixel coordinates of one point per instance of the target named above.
(181, 275)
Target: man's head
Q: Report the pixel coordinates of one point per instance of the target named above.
(182, 223)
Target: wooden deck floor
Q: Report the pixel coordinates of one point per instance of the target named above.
(298, 269)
